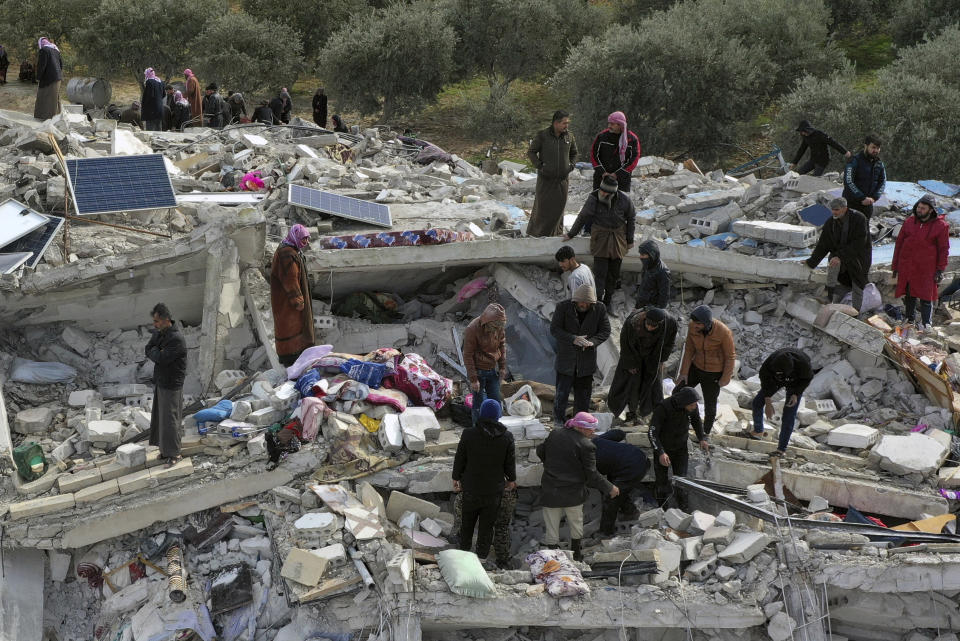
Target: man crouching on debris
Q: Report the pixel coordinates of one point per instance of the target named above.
(484, 466)
(789, 369)
(168, 351)
(485, 355)
(846, 237)
(669, 427)
(569, 467)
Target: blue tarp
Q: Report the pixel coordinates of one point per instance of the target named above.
(940, 188)
(815, 215)
(901, 194)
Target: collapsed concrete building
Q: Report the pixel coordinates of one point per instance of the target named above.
(341, 539)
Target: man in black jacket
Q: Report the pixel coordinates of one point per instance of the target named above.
(846, 237)
(865, 177)
(168, 351)
(624, 465)
(213, 107)
(654, 287)
(788, 369)
(817, 141)
(263, 113)
(483, 468)
(646, 342)
(579, 325)
(669, 427)
(569, 467)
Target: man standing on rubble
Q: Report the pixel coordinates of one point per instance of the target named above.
(615, 152)
(709, 355)
(290, 297)
(654, 286)
(553, 151)
(151, 101)
(485, 355)
(194, 97)
(669, 427)
(49, 75)
(168, 351)
(865, 177)
(579, 325)
(624, 465)
(578, 274)
(612, 218)
(569, 467)
(483, 468)
(817, 142)
(213, 107)
(646, 342)
(788, 369)
(919, 258)
(846, 237)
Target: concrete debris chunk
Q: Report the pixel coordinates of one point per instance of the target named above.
(304, 567)
(131, 455)
(744, 547)
(853, 435)
(35, 420)
(781, 627)
(912, 453)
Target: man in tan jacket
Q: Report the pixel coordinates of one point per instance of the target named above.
(485, 355)
(708, 359)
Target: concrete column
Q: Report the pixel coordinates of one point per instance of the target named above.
(222, 307)
(21, 594)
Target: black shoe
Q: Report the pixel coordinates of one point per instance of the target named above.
(577, 551)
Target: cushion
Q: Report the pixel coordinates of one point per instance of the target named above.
(464, 574)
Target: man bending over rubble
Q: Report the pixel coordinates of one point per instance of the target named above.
(709, 356)
(646, 342)
(669, 427)
(846, 237)
(485, 355)
(788, 369)
(569, 467)
(624, 465)
(168, 351)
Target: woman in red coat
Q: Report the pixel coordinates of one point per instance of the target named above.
(920, 257)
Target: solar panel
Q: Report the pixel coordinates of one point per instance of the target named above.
(17, 220)
(120, 183)
(10, 262)
(36, 242)
(342, 206)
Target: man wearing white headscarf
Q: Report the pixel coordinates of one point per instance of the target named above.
(151, 101)
(49, 75)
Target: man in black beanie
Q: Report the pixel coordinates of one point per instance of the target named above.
(709, 356)
(669, 427)
(817, 141)
(787, 368)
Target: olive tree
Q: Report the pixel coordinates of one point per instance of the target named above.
(389, 61)
(314, 23)
(23, 22)
(913, 20)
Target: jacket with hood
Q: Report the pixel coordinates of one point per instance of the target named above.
(788, 368)
(817, 141)
(654, 287)
(553, 156)
(638, 344)
(485, 459)
(483, 349)
(620, 462)
(566, 326)
(921, 251)
(670, 422)
(848, 238)
(168, 351)
(711, 350)
(569, 467)
(863, 178)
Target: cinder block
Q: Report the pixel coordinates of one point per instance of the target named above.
(41, 506)
(131, 455)
(67, 483)
(97, 492)
(163, 473)
(136, 481)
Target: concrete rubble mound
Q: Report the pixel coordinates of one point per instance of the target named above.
(850, 535)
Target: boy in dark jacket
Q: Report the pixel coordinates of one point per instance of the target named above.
(669, 427)
(654, 287)
(483, 468)
(624, 465)
(786, 368)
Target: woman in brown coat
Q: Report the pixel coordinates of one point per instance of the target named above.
(290, 297)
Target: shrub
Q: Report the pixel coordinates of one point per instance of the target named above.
(314, 23)
(915, 19)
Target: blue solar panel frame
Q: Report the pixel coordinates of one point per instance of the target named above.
(37, 241)
(343, 206)
(111, 184)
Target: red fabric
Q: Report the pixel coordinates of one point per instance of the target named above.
(921, 250)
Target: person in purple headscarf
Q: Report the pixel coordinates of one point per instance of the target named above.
(49, 75)
(181, 111)
(290, 297)
(615, 151)
(151, 101)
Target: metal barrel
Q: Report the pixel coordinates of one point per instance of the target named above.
(89, 92)
(177, 585)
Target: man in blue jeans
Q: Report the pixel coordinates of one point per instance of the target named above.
(788, 369)
(485, 355)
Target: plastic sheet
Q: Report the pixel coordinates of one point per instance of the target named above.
(41, 372)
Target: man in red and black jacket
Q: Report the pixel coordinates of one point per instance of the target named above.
(615, 151)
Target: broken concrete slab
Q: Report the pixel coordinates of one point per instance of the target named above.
(909, 454)
(398, 503)
(304, 567)
(745, 546)
(35, 420)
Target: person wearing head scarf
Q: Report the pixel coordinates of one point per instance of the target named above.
(611, 217)
(485, 355)
(252, 181)
(181, 111)
(817, 142)
(131, 115)
(553, 151)
(709, 355)
(919, 258)
(238, 107)
(4, 64)
(338, 124)
(615, 152)
(654, 286)
(151, 101)
(483, 468)
(669, 427)
(787, 369)
(195, 97)
(646, 341)
(580, 326)
(319, 105)
(290, 296)
(569, 468)
(49, 74)
(287, 106)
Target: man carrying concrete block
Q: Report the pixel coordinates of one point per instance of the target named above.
(168, 351)
(789, 369)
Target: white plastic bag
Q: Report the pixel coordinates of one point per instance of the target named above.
(871, 299)
(40, 372)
